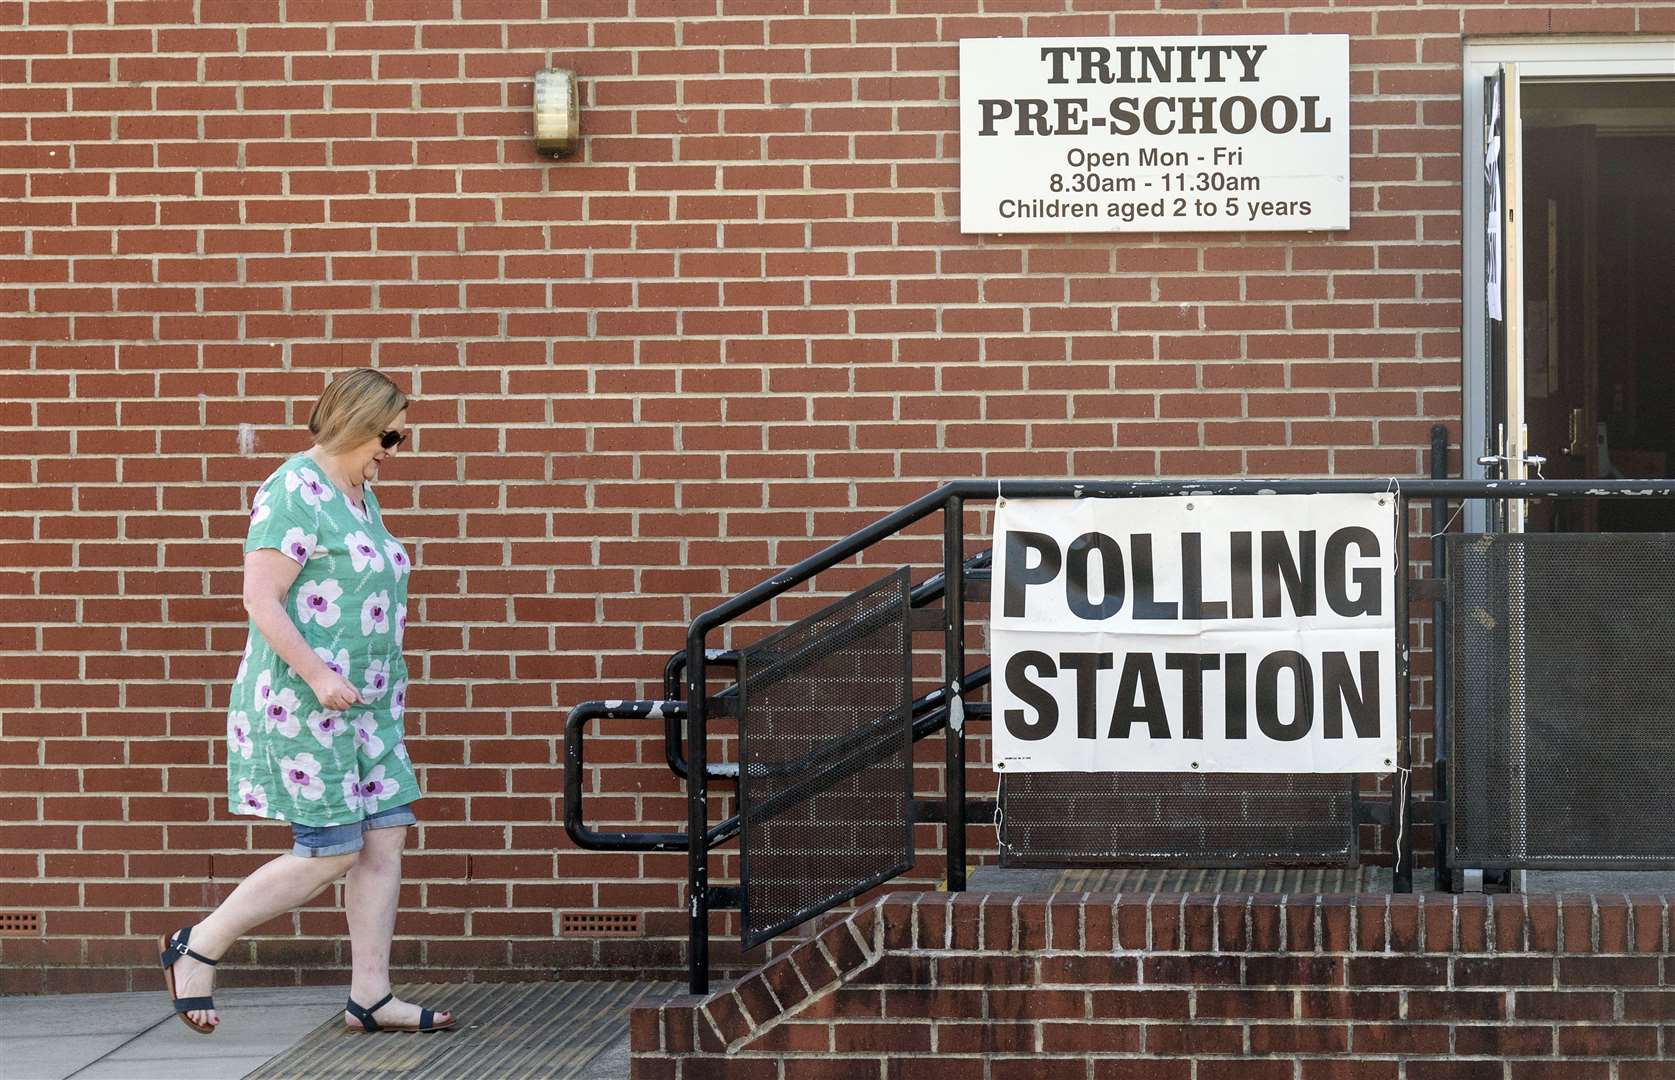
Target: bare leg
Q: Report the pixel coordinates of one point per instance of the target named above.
(276, 887)
(371, 897)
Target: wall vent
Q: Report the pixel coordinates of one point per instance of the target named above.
(612, 924)
(19, 923)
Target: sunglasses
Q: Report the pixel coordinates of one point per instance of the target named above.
(389, 440)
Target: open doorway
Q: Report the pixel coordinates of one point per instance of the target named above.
(1623, 88)
(1569, 357)
(1598, 291)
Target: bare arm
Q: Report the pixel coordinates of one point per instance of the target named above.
(268, 577)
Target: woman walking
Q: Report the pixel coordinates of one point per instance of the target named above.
(314, 727)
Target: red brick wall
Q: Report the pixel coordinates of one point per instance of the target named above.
(742, 322)
(1152, 988)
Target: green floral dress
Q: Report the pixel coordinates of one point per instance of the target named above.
(287, 756)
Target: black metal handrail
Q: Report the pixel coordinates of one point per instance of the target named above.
(930, 714)
(944, 709)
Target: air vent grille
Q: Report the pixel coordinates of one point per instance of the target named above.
(605, 924)
(19, 923)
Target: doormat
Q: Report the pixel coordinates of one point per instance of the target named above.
(1294, 882)
(507, 1031)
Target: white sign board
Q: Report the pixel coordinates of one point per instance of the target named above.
(1199, 633)
(1154, 134)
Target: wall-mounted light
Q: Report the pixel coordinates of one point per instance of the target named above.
(558, 127)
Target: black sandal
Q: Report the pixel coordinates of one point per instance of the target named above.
(174, 947)
(427, 1019)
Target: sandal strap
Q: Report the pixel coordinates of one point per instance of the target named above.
(183, 1005)
(425, 1019)
(178, 948)
(363, 1013)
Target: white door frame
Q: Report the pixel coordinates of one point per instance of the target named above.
(1578, 58)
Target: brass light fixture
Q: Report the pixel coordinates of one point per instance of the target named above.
(558, 129)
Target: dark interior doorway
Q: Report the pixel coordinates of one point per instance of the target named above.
(1598, 235)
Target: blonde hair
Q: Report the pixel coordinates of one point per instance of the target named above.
(354, 408)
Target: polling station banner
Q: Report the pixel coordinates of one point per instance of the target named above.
(1240, 633)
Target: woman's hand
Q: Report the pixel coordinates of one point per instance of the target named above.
(333, 690)
(268, 575)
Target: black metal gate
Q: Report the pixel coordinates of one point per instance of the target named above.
(1562, 676)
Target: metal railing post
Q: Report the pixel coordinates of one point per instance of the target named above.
(1401, 799)
(697, 817)
(953, 670)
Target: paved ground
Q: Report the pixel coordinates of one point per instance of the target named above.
(136, 1037)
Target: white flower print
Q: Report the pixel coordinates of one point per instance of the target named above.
(400, 751)
(281, 714)
(338, 663)
(400, 623)
(301, 775)
(244, 661)
(352, 791)
(362, 553)
(375, 788)
(306, 482)
(317, 602)
(251, 799)
(238, 735)
(398, 558)
(261, 507)
(398, 700)
(264, 691)
(325, 726)
(366, 735)
(377, 681)
(375, 614)
(299, 545)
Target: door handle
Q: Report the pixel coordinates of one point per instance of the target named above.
(1534, 461)
(1577, 447)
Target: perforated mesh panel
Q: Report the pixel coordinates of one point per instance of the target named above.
(826, 787)
(1215, 819)
(1562, 733)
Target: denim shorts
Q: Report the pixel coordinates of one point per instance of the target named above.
(320, 841)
